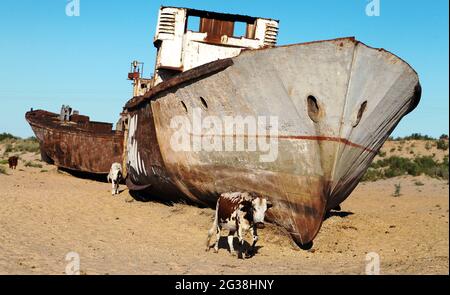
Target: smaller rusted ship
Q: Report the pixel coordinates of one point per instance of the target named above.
(71, 141)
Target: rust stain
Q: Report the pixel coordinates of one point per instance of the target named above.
(215, 29)
(298, 137)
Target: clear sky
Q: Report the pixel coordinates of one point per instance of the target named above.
(48, 59)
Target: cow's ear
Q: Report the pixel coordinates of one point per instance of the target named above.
(269, 205)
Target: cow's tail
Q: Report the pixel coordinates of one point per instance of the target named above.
(214, 227)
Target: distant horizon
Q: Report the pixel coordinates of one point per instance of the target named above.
(49, 58)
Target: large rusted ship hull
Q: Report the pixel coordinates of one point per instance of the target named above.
(336, 101)
(79, 146)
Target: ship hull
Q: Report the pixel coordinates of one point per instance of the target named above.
(90, 147)
(335, 103)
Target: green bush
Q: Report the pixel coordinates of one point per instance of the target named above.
(4, 136)
(415, 136)
(442, 144)
(381, 154)
(30, 145)
(33, 165)
(372, 175)
(3, 170)
(27, 145)
(397, 190)
(398, 166)
(8, 148)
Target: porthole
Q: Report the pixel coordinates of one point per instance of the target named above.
(361, 110)
(184, 106)
(313, 108)
(204, 103)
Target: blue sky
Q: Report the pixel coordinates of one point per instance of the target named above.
(48, 59)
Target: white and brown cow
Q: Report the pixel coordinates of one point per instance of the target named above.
(238, 212)
(115, 176)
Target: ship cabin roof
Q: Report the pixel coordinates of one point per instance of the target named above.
(220, 15)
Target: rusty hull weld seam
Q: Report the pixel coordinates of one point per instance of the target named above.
(344, 107)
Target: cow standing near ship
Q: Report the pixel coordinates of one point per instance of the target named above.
(239, 213)
(115, 176)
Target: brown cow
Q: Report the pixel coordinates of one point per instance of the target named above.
(238, 212)
(12, 161)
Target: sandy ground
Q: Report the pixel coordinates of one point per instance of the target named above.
(45, 214)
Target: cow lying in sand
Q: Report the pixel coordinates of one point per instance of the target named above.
(12, 161)
(115, 176)
(239, 213)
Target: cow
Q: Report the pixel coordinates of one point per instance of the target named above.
(239, 212)
(115, 176)
(12, 161)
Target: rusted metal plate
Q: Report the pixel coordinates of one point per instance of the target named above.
(79, 144)
(215, 29)
(319, 162)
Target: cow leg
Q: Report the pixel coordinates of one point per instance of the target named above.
(113, 189)
(255, 236)
(216, 245)
(241, 234)
(230, 242)
(210, 233)
(117, 187)
(252, 249)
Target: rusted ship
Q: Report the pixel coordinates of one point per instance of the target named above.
(298, 123)
(335, 101)
(71, 141)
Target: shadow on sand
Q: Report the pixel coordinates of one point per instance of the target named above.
(246, 250)
(101, 177)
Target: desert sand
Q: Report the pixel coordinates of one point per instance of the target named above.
(45, 214)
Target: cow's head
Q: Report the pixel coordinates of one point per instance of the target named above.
(260, 205)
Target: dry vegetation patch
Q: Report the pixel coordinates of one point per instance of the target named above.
(411, 155)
